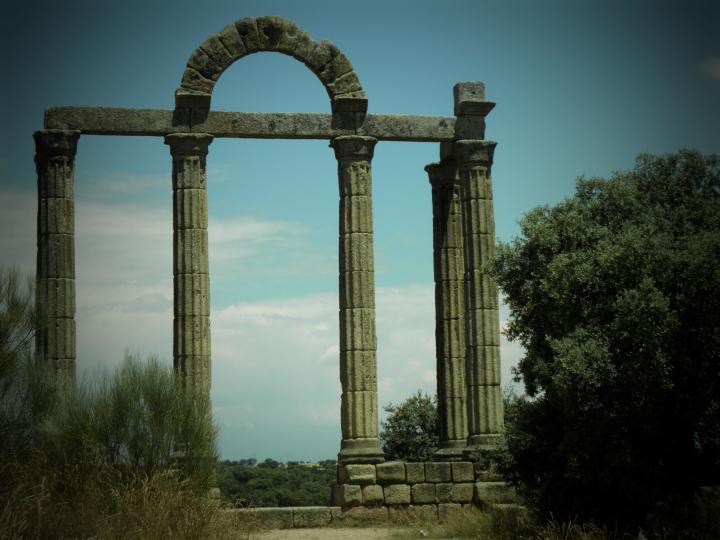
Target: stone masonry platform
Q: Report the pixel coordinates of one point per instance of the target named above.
(397, 483)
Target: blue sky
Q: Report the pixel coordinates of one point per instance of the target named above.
(581, 88)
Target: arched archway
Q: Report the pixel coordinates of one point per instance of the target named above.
(274, 34)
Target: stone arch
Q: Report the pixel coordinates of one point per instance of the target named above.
(256, 34)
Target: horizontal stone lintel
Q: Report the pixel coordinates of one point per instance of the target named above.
(159, 122)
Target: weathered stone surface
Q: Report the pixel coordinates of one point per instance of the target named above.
(158, 122)
(438, 472)
(358, 515)
(311, 516)
(373, 495)
(231, 40)
(407, 515)
(397, 494)
(415, 473)
(204, 65)
(347, 495)
(462, 493)
(356, 372)
(463, 471)
(274, 518)
(356, 474)
(391, 472)
(443, 492)
(469, 98)
(483, 474)
(449, 511)
(494, 492)
(423, 493)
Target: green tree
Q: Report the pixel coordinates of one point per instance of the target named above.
(410, 431)
(615, 295)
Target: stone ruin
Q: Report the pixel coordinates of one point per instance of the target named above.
(466, 296)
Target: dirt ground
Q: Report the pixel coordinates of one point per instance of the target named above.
(329, 533)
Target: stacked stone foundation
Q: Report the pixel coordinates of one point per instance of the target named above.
(398, 484)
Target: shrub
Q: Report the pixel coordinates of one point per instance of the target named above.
(410, 431)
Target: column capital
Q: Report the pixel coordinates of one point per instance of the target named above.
(474, 152)
(56, 142)
(188, 144)
(353, 147)
(443, 173)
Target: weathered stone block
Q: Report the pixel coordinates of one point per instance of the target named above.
(358, 414)
(346, 495)
(397, 494)
(311, 516)
(203, 64)
(438, 472)
(469, 91)
(357, 370)
(274, 518)
(248, 32)
(356, 474)
(193, 80)
(443, 492)
(345, 84)
(391, 472)
(56, 215)
(217, 52)
(449, 511)
(414, 473)
(462, 493)
(483, 474)
(231, 40)
(359, 515)
(462, 471)
(373, 495)
(494, 492)
(424, 493)
(357, 329)
(413, 514)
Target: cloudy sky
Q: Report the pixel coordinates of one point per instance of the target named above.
(581, 88)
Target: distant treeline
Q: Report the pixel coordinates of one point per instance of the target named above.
(246, 482)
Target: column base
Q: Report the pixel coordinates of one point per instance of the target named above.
(480, 446)
(451, 451)
(360, 451)
(489, 441)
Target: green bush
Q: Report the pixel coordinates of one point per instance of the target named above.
(410, 432)
(100, 459)
(135, 421)
(615, 296)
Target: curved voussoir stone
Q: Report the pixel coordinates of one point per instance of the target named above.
(201, 62)
(248, 31)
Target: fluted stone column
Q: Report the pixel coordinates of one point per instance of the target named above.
(358, 344)
(482, 325)
(191, 325)
(449, 310)
(55, 272)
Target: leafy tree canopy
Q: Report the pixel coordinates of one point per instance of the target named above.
(615, 295)
(410, 431)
